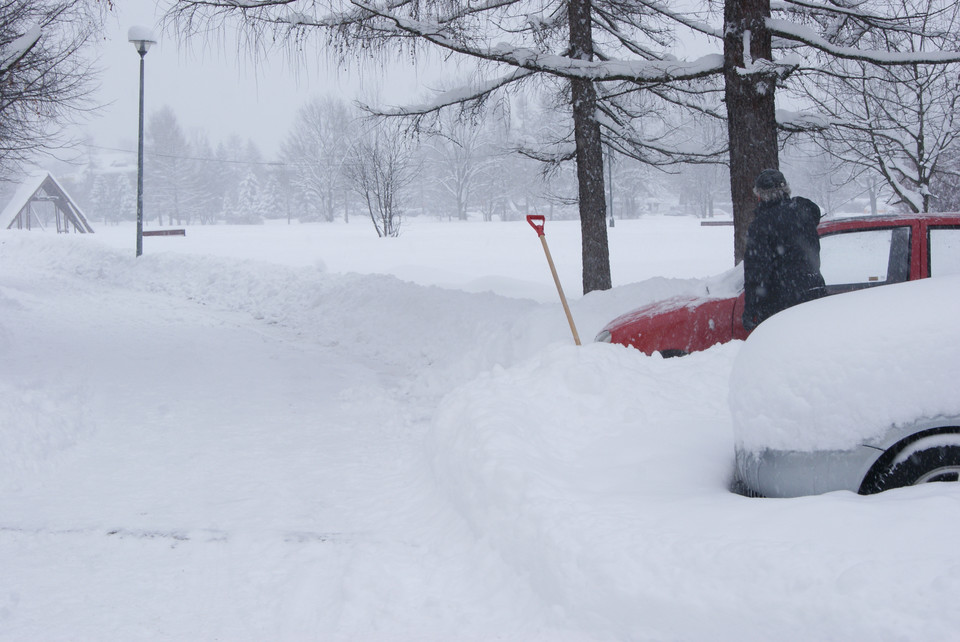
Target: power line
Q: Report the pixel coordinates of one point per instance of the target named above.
(196, 158)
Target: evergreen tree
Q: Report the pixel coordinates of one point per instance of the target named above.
(171, 181)
(248, 209)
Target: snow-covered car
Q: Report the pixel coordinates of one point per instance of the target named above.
(856, 393)
(855, 253)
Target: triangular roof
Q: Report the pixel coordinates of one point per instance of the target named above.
(42, 188)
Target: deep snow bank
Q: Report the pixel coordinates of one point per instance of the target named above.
(602, 475)
(439, 337)
(422, 332)
(833, 373)
(554, 460)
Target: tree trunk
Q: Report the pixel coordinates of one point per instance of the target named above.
(461, 204)
(751, 112)
(593, 214)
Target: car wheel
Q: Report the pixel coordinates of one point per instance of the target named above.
(935, 458)
(669, 353)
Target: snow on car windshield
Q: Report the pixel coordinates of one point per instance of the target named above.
(726, 284)
(835, 372)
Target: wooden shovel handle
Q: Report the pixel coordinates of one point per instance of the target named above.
(532, 219)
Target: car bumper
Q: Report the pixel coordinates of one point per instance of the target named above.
(778, 473)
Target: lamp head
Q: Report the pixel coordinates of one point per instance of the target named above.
(142, 38)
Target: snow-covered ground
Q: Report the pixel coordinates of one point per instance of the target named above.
(309, 433)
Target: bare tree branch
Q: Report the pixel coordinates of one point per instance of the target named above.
(44, 81)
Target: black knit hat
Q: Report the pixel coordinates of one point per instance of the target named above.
(771, 185)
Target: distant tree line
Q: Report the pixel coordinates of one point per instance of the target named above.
(333, 166)
(337, 163)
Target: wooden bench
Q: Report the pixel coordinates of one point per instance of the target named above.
(164, 232)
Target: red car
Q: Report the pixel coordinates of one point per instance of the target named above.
(855, 253)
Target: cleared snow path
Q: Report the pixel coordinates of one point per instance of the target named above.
(187, 472)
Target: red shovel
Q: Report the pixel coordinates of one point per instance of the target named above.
(536, 221)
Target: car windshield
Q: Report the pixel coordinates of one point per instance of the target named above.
(726, 284)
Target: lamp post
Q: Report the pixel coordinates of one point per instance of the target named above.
(141, 39)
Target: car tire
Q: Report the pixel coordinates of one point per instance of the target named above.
(929, 459)
(670, 353)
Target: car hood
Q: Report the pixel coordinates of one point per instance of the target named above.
(681, 302)
(684, 323)
(722, 287)
(680, 325)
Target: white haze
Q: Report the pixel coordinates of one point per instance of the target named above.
(218, 87)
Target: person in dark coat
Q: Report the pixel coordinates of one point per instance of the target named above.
(781, 264)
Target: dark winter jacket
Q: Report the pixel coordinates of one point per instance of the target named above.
(781, 264)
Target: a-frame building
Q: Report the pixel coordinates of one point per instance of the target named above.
(40, 197)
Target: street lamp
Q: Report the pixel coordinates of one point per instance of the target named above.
(142, 38)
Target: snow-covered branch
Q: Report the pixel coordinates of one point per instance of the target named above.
(806, 36)
(686, 20)
(453, 97)
(13, 53)
(801, 121)
(832, 9)
(641, 71)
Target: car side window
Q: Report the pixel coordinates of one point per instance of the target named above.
(865, 258)
(944, 251)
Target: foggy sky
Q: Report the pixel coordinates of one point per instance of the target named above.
(214, 87)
